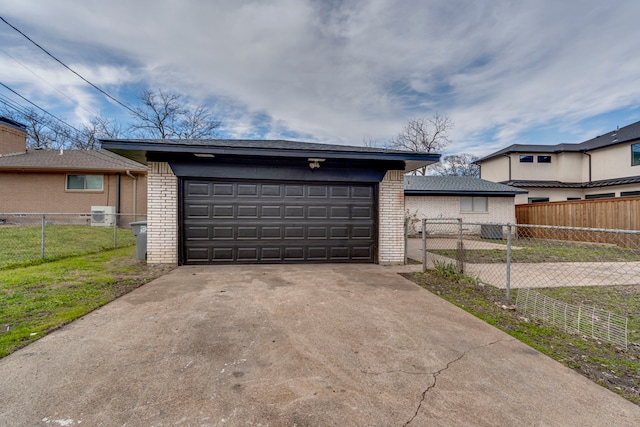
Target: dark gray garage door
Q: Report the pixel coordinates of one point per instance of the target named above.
(272, 222)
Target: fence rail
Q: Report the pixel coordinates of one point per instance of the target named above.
(522, 256)
(575, 319)
(26, 237)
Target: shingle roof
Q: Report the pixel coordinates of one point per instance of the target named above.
(280, 144)
(625, 134)
(69, 160)
(138, 149)
(456, 185)
(558, 184)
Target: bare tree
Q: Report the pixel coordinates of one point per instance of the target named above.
(457, 165)
(165, 115)
(98, 127)
(424, 134)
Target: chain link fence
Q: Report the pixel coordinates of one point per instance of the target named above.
(27, 238)
(510, 256)
(583, 320)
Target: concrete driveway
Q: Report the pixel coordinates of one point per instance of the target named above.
(312, 345)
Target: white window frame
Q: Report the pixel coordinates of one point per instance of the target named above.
(476, 203)
(84, 175)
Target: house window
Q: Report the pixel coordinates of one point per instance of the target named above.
(635, 154)
(538, 199)
(85, 182)
(629, 193)
(473, 204)
(544, 159)
(573, 198)
(526, 159)
(600, 196)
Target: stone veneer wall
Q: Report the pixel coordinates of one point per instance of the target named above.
(391, 218)
(162, 215)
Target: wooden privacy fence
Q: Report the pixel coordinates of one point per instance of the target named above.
(612, 214)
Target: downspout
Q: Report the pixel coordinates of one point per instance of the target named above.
(135, 193)
(585, 153)
(118, 195)
(509, 157)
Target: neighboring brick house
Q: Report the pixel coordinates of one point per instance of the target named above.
(473, 200)
(602, 167)
(66, 181)
(247, 201)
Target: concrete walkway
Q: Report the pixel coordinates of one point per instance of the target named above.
(307, 345)
(532, 275)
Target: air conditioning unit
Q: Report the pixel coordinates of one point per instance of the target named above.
(103, 216)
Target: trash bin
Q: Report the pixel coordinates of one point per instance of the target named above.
(139, 229)
(491, 231)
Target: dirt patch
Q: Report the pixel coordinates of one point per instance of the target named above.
(613, 368)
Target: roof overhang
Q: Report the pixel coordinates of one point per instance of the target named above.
(145, 151)
(462, 193)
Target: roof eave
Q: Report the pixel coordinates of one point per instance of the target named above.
(463, 193)
(138, 151)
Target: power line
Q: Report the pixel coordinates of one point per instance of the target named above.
(38, 107)
(45, 81)
(70, 69)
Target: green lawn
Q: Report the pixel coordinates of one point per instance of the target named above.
(39, 298)
(21, 246)
(533, 251)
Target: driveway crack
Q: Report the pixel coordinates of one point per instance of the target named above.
(438, 372)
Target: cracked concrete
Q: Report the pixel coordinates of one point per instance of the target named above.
(305, 345)
(438, 372)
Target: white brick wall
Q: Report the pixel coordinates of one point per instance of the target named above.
(162, 215)
(500, 209)
(391, 218)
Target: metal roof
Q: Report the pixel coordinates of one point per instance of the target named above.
(94, 160)
(456, 185)
(622, 135)
(138, 150)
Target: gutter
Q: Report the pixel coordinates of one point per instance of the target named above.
(135, 192)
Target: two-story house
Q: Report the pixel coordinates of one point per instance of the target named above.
(602, 167)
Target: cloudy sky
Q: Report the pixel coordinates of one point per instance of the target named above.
(505, 71)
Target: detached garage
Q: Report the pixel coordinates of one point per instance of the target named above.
(246, 201)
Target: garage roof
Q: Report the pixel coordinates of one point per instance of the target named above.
(455, 186)
(140, 149)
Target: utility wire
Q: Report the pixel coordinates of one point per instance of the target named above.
(38, 107)
(45, 81)
(70, 69)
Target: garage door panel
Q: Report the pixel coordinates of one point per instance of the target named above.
(293, 212)
(198, 211)
(271, 222)
(271, 212)
(247, 232)
(361, 192)
(293, 190)
(293, 232)
(195, 189)
(222, 211)
(223, 189)
(247, 254)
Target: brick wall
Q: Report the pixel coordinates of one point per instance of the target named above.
(162, 215)
(45, 192)
(499, 210)
(391, 219)
(12, 140)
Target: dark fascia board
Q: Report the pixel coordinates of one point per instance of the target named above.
(138, 152)
(462, 193)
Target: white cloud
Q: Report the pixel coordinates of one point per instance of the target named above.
(340, 71)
